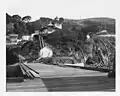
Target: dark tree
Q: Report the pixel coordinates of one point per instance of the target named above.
(26, 18)
(16, 17)
(61, 19)
(8, 18)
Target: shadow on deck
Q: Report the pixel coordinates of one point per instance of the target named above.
(96, 83)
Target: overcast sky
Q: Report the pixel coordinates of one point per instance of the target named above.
(74, 9)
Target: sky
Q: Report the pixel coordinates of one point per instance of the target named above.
(71, 9)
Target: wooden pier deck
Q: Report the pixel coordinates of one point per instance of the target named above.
(55, 78)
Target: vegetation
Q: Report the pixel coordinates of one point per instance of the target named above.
(70, 41)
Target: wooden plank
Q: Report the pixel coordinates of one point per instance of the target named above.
(15, 79)
(55, 78)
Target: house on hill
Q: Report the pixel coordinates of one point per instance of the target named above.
(26, 37)
(50, 28)
(13, 37)
(57, 24)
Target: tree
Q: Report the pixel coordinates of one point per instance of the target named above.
(61, 19)
(26, 18)
(56, 18)
(16, 17)
(8, 18)
(30, 27)
(45, 21)
(9, 28)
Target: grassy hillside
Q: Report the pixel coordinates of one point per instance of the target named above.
(95, 24)
(101, 19)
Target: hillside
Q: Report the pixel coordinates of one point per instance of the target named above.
(95, 24)
(101, 19)
(77, 29)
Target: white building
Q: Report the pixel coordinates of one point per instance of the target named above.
(45, 52)
(58, 25)
(26, 37)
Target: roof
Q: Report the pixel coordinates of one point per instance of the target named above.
(13, 34)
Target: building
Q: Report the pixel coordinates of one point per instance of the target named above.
(57, 24)
(26, 37)
(13, 37)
